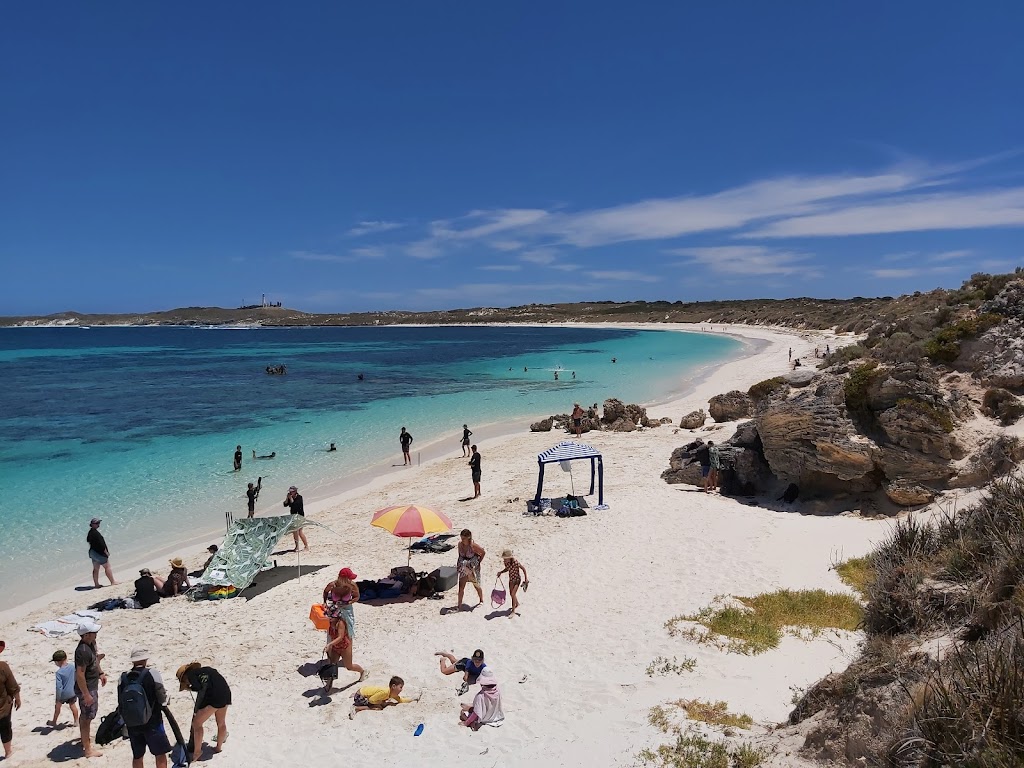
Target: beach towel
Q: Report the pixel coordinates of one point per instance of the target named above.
(57, 628)
(487, 706)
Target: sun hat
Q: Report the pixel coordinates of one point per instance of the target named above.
(506, 553)
(95, 521)
(88, 628)
(139, 654)
(487, 677)
(177, 563)
(346, 573)
(180, 674)
(145, 572)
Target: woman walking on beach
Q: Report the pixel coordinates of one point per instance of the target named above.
(339, 597)
(213, 697)
(466, 432)
(516, 575)
(294, 503)
(471, 556)
(98, 553)
(339, 650)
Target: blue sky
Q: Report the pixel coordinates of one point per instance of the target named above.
(347, 157)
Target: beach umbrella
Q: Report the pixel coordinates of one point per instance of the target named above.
(409, 520)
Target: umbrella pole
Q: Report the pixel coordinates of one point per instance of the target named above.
(409, 559)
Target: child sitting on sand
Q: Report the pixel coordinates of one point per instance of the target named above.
(65, 687)
(376, 697)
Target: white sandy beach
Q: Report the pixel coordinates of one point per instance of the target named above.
(571, 666)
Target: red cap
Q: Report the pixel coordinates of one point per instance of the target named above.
(346, 573)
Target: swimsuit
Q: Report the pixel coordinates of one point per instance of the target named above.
(469, 565)
(515, 576)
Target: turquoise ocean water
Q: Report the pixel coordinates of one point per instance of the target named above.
(138, 425)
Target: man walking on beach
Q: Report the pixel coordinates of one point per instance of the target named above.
(703, 456)
(715, 458)
(88, 679)
(474, 465)
(405, 439)
(238, 458)
(140, 698)
(577, 419)
(98, 553)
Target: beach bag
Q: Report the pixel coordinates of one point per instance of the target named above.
(132, 702)
(498, 595)
(110, 728)
(328, 671)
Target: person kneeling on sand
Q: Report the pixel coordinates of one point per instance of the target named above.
(486, 707)
(376, 697)
(469, 667)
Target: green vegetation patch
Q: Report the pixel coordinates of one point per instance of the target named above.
(855, 390)
(768, 387)
(714, 713)
(858, 573)
(692, 750)
(664, 666)
(758, 623)
(944, 346)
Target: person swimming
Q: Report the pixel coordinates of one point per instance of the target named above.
(332, 448)
(270, 455)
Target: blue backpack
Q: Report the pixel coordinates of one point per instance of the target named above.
(132, 700)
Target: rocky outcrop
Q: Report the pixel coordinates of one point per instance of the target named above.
(744, 470)
(906, 493)
(997, 457)
(799, 377)
(809, 440)
(622, 424)
(997, 357)
(730, 406)
(614, 409)
(544, 425)
(693, 420)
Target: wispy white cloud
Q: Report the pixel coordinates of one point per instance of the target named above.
(544, 256)
(373, 228)
(501, 267)
(505, 245)
(950, 255)
(954, 210)
(470, 293)
(893, 274)
(623, 275)
(750, 260)
(566, 266)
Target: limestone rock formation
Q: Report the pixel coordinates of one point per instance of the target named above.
(614, 409)
(809, 440)
(998, 457)
(908, 494)
(730, 406)
(544, 425)
(622, 424)
(799, 377)
(693, 420)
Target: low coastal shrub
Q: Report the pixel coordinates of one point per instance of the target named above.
(968, 712)
(857, 573)
(855, 392)
(765, 389)
(944, 346)
(694, 750)
(663, 666)
(714, 713)
(757, 624)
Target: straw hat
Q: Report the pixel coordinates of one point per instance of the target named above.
(177, 563)
(182, 670)
(506, 553)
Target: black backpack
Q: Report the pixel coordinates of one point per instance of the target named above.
(133, 701)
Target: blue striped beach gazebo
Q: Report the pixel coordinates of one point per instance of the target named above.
(569, 450)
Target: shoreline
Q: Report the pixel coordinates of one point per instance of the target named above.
(757, 342)
(605, 584)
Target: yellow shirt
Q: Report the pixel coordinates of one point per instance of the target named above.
(377, 695)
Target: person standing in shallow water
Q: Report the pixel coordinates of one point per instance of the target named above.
(238, 458)
(405, 438)
(466, 432)
(474, 466)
